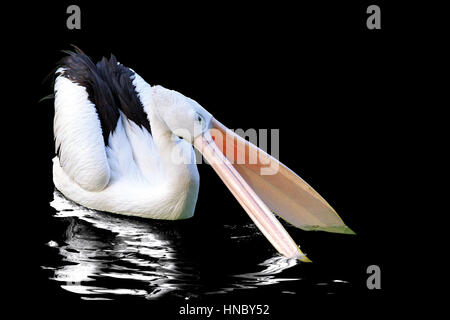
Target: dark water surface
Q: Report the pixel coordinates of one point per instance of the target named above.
(101, 256)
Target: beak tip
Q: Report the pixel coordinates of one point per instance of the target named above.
(304, 258)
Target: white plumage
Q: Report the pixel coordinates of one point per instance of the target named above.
(77, 129)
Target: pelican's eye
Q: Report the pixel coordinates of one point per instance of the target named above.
(201, 121)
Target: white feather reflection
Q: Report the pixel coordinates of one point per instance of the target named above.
(112, 248)
(104, 256)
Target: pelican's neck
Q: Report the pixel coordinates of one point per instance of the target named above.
(181, 179)
(169, 146)
(178, 162)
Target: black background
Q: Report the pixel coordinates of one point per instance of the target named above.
(314, 71)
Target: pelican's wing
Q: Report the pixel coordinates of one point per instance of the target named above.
(89, 101)
(78, 135)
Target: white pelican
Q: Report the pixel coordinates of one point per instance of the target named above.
(119, 142)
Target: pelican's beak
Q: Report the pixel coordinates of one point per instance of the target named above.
(262, 184)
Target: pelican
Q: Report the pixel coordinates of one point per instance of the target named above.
(126, 147)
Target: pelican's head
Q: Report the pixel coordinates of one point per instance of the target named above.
(185, 117)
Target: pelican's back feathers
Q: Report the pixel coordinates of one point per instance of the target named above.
(89, 100)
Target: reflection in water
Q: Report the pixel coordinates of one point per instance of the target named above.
(103, 255)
